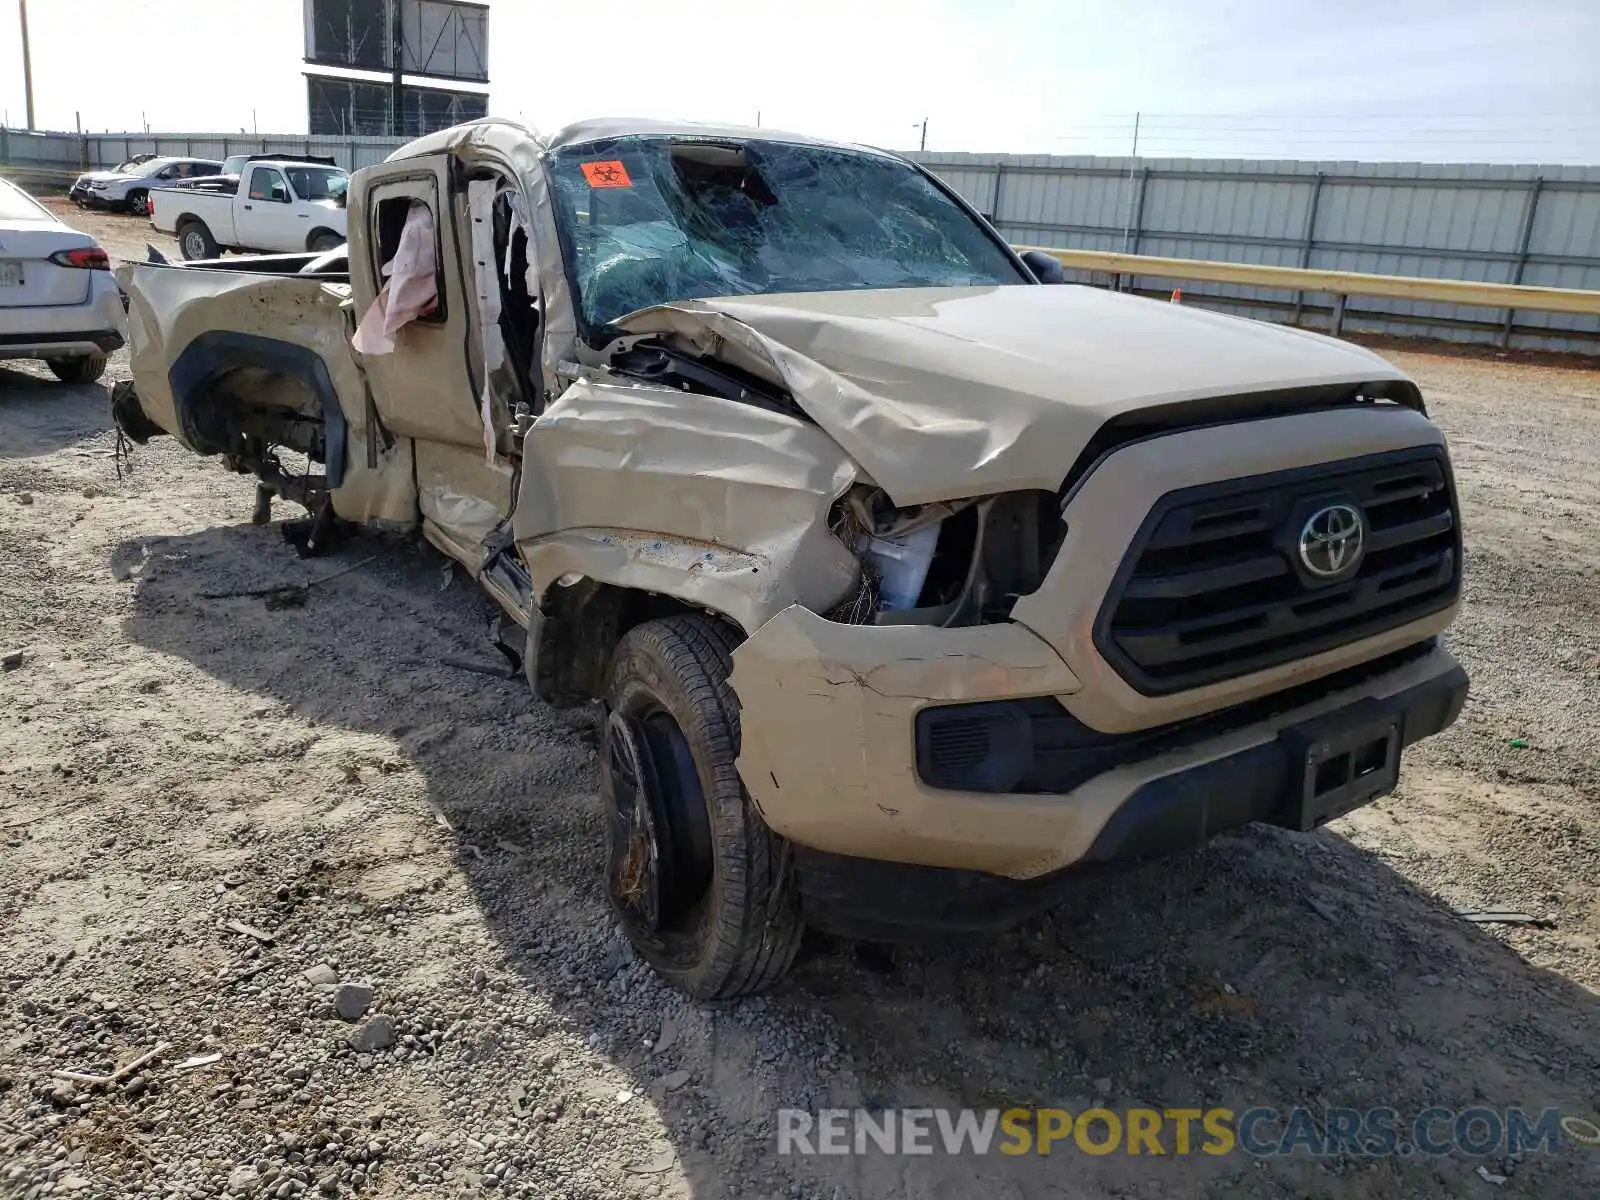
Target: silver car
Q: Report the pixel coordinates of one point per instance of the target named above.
(58, 301)
(127, 186)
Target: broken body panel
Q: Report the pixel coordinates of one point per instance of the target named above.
(749, 455)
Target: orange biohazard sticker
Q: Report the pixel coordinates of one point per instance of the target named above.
(606, 174)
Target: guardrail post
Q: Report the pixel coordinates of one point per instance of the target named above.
(999, 183)
(1307, 241)
(5, 144)
(1530, 210)
(353, 163)
(1336, 323)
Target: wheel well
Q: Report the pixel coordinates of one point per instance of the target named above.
(212, 417)
(319, 231)
(575, 632)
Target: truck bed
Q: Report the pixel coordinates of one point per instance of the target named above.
(170, 205)
(330, 267)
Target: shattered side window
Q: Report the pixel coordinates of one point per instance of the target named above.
(652, 219)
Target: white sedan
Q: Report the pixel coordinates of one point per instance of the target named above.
(58, 301)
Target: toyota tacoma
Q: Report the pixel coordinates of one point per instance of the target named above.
(913, 583)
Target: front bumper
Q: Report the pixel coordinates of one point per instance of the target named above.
(829, 748)
(1164, 814)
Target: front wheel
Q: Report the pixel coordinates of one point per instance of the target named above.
(139, 203)
(85, 368)
(704, 890)
(195, 241)
(324, 240)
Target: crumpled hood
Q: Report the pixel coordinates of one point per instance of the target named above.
(941, 393)
(109, 177)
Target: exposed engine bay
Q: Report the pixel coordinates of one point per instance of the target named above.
(962, 562)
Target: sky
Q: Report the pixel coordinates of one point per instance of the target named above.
(1438, 80)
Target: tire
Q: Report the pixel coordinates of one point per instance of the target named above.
(706, 893)
(139, 203)
(195, 241)
(84, 368)
(324, 240)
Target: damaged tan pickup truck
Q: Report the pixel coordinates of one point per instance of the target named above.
(915, 583)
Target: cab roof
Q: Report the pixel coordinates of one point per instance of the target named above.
(502, 134)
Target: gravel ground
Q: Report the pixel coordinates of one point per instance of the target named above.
(345, 877)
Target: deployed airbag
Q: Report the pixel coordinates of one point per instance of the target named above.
(411, 289)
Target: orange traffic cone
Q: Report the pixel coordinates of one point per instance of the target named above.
(1177, 295)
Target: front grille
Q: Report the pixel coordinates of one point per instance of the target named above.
(1214, 587)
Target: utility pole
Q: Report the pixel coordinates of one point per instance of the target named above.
(1127, 228)
(27, 60)
(396, 88)
(924, 124)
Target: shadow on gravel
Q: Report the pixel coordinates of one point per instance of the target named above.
(39, 415)
(1273, 970)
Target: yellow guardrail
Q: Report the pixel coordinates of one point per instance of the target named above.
(1335, 283)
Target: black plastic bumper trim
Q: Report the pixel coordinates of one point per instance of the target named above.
(108, 340)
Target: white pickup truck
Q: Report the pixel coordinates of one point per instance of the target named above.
(274, 207)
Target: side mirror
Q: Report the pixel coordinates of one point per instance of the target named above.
(1045, 268)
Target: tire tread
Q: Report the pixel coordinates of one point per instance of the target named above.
(757, 930)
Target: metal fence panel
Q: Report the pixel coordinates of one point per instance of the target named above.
(108, 149)
(1495, 222)
(1504, 223)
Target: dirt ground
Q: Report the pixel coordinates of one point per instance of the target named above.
(356, 778)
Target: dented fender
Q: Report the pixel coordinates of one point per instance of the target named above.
(169, 308)
(716, 503)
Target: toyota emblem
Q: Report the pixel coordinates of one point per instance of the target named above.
(1332, 541)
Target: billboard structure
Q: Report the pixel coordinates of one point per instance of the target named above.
(355, 107)
(429, 41)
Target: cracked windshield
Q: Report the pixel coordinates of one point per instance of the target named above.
(651, 220)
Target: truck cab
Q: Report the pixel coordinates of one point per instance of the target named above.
(909, 589)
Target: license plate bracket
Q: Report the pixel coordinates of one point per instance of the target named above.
(1340, 763)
